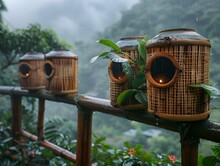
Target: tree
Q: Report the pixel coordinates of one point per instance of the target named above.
(2, 8)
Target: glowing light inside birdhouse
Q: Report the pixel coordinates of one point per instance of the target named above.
(162, 70)
(25, 70)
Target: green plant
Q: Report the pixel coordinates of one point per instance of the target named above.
(211, 90)
(26, 152)
(212, 160)
(104, 154)
(137, 83)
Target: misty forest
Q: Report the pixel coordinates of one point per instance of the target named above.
(110, 133)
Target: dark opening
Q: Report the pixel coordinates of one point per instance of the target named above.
(25, 70)
(117, 70)
(162, 70)
(48, 69)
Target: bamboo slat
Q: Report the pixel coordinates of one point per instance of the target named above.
(118, 86)
(64, 79)
(178, 102)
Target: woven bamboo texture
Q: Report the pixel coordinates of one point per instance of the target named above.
(179, 102)
(65, 77)
(117, 88)
(35, 78)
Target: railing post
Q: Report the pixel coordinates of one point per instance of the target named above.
(40, 122)
(84, 138)
(16, 116)
(189, 147)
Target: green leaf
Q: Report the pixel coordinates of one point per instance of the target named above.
(209, 161)
(141, 62)
(109, 55)
(115, 57)
(216, 150)
(128, 71)
(100, 140)
(141, 97)
(7, 140)
(125, 96)
(139, 80)
(200, 160)
(142, 49)
(99, 56)
(138, 147)
(210, 90)
(127, 145)
(146, 38)
(110, 44)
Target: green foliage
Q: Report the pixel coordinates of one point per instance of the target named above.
(104, 154)
(31, 39)
(138, 82)
(110, 44)
(211, 160)
(141, 97)
(14, 44)
(26, 152)
(2, 8)
(210, 90)
(126, 95)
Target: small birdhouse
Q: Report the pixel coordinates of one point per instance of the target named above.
(176, 59)
(30, 71)
(61, 70)
(118, 79)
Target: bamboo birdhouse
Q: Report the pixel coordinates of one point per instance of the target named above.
(118, 79)
(176, 59)
(30, 71)
(61, 71)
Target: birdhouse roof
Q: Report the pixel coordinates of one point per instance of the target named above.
(33, 56)
(183, 36)
(62, 53)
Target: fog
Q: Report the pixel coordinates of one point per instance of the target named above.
(73, 20)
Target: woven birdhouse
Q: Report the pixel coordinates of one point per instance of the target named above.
(118, 79)
(61, 70)
(176, 59)
(30, 71)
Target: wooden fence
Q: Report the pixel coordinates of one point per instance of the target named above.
(190, 132)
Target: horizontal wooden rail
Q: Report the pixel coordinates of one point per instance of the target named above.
(190, 132)
(203, 129)
(50, 146)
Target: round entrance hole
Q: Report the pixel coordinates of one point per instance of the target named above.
(116, 72)
(24, 70)
(48, 69)
(162, 70)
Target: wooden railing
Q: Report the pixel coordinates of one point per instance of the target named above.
(190, 132)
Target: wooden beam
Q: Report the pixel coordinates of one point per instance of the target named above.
(16, 116)
(203, 129)
(84, 138)
(40, 122)
(52, 147)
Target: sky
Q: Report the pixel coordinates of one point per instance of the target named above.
(73, 20)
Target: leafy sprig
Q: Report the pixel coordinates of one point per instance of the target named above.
(211, 90)
(138, 82)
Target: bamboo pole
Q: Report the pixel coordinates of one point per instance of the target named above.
(40, 122)
(204, 129)
(189, 147)
(52, 147)
(84, 138)
(16, 115)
